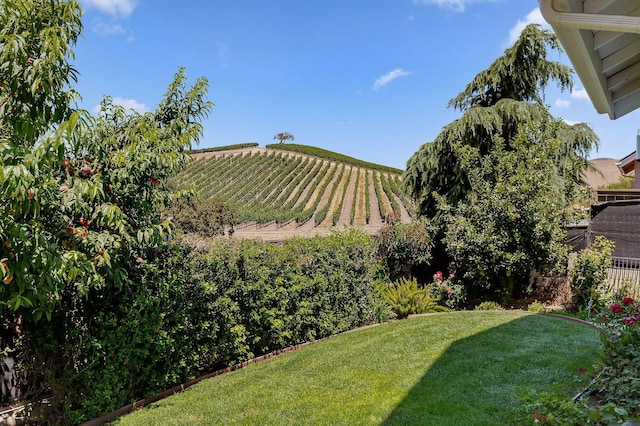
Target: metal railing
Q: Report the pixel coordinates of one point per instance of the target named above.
(625, 272)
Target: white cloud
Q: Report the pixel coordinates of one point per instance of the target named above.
(563, 103)
(389, 77)
(455, 5)
(579, 94)
(534, 17)
(570, 122)
(117, 8)
(127, 104)
(130, 104)
(108, 30)
(103, 29)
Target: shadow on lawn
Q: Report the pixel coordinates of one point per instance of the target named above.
(476, 381)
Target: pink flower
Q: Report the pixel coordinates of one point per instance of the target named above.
(627, 301)
(451, 275)
(439, 275)
(615, 308)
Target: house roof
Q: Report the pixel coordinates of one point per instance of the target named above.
(628, 163)
(602, 40)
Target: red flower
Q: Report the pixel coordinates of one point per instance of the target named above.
(629, 321)
(627, 301)
(615, 308)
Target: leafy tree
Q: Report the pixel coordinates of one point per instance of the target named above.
(495, 104)
(512, 220)
(284, 136)
(205, 216)
(405, 245)
(79, 194)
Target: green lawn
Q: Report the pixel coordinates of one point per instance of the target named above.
(461, 368)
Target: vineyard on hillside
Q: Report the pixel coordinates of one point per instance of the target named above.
(297, 191)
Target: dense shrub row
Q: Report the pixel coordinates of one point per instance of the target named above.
(225, 148)
(189, 310)
(333, 156)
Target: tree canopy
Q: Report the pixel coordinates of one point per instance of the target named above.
(79, 194)
(495, 104)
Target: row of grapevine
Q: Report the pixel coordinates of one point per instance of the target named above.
(386, 187)
(308, 212)
(338, 211)
(367, 197)
(322, 213)
(278, 187)
(354, 204)
(381, 205)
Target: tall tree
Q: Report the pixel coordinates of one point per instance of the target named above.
(495, 103)
(513, 216)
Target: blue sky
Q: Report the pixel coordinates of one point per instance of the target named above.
(366, 78)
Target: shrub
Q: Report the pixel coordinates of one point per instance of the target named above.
(488, 306)
(589, 272)
(537, 307)
(620, 335)
(189, 309)
(205, 216)
(405, 298)
(405, 245)
(446, 292)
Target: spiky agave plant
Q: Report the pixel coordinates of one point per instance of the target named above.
(406, 298)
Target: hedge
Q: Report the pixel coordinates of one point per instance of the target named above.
(188, 311)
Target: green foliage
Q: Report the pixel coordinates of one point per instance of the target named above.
(497, 103)
(405, 245)
(206, 217)
(446, 292)
(617, 383)
(512, 220)
(367, 204)
(551, 409)
(333, 156)
(79, 194)
(488, 306)
(536, 307)
(354, 203)
(225, 147)
(321, 214)
(625, 182)
(405, 298)
(589, 271)
(188, 311)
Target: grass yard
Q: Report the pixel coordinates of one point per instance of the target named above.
(462, 368)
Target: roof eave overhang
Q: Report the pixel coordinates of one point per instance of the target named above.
(574, 29)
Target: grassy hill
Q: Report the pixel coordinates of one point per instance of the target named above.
(296, 187)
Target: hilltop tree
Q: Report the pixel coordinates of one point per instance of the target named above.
(495, 104)
(284, 136)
